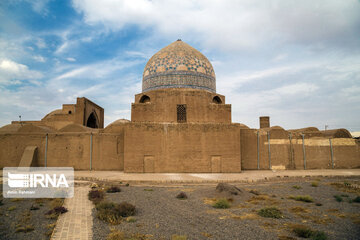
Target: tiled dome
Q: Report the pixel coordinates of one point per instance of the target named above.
(179, 66)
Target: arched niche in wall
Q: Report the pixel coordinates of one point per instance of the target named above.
(144, 99)
(92, 121)
(217, 100)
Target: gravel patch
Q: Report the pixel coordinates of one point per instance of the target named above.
(16, 214)
(160, 214)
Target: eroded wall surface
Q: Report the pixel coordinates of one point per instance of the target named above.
(182, 148)
(66, 150)
(288, 151)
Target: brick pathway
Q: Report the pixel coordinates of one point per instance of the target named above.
(77, 222)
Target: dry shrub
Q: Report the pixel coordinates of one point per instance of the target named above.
(222, 203)
(271, 212)
(305, 198)
(96, 196)
(181, 196)
(113, 212)
(113, 189)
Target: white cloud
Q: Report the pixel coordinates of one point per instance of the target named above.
(70, 59)
(280, 57)
(39, 58)
(97, 70)
(13, 73)
(40, 43)
(230, 24)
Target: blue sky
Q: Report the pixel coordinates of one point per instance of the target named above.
(296, 61)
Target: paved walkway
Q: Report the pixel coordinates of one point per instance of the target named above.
(77, 222)
(245, 176)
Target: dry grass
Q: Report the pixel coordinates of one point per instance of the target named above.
(314, 184)
(56, 202)
(115, 235)
(50, 228)
(221, 203)
(306, 232)
(346, 187)
(12, 208)
(255, 192)
(318, 219)
(27, 228)
(209, 201)
(208, 235)
(130, 219)
(270, 212)
(299, 209)
(16, 199)
(178, 237)
(119, 235)
(305, 198)
(355, 218)
(24, 223)
(262, 199)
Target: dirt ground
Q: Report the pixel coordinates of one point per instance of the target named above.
(160, 215)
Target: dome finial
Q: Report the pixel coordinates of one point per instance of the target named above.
(179, 39)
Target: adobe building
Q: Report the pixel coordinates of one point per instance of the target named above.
(179, 123)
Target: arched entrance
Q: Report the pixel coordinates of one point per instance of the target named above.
(92, 121)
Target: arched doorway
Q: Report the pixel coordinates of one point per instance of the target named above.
(92, 121)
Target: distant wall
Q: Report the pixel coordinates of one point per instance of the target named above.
(155, 147)
(65, 149)
(12, 147)
(286, 154)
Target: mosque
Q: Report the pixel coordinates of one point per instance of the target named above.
(179, 123)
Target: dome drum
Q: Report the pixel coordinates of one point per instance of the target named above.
(179, 79)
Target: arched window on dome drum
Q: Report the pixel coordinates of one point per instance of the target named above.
(145, 99)
(181, 113)
(217, 100)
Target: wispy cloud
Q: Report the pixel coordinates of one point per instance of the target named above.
(14, 73)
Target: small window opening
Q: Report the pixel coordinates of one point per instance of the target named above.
(181, 113)
(217, 100)
(69, 112)
(145, 99)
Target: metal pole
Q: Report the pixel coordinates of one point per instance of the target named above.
(268, 134)
(46, 147)
(91, 143)
(258, 154)
(291, 152)
(304, 153)
(332, 153)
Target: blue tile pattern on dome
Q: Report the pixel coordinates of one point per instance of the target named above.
(179, 66)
